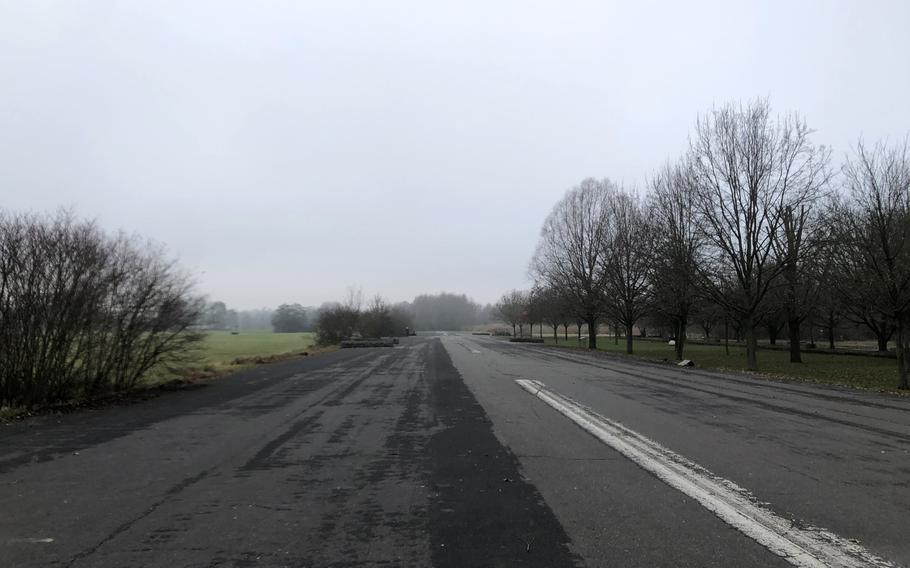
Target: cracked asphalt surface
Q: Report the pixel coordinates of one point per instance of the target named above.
(429, 454)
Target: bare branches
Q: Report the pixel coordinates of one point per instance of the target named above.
(82, 312)
(678, 244)
(627, 262)
(872, 234)
(512, 308)
(571, 254)
(752, 173)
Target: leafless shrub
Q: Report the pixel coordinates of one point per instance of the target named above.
(82, 312)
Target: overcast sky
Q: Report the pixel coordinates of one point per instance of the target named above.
(286, 150)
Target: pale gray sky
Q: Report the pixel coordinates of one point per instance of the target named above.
(286, 150)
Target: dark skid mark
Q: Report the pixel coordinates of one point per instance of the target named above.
(482, 512)
(263, 458)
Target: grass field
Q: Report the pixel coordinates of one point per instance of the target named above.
(220, 347)
(847, 370)
(220, 352)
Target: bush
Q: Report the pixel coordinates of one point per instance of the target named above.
(83, 312)
(342, 322)
(335, 324)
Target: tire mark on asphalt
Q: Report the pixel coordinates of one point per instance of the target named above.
(259, 460)
(263, 459)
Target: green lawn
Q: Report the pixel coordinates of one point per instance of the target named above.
(220, 352)
(220, 347)
(848, 370)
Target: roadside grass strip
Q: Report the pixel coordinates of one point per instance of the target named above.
(802, 546)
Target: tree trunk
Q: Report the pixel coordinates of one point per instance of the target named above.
(616, 334)
(629, 339)
(751, 344)
(592, 332)
(680, 337)
(565, 331)
(532, 329)
(513, 330)
(830, 335)
(772, 333)
(795, 355)
(521, 329)
(540, 330)
(882, 342)
(555, 334)
(902, 383)
(726, 336)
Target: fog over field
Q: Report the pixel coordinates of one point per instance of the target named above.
(287, 150)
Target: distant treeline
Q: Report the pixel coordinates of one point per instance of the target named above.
(447, 312)
(444, 311)
(286, 318)
(429, 312)
(84, 312)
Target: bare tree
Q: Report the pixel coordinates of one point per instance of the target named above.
(627, 264)
(570, 255)
(798, 242)
(873, 235)
(750, 168)
(554, 310)
(848, 278)
(678, 244)
(511, 309)
(828, 307)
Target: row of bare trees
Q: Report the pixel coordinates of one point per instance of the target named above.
(83, 312)
(752, 225)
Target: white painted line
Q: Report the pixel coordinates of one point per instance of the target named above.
(801, 546)
(474, 351)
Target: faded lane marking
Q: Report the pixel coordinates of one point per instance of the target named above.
(801, 546)
(469, 348)
(30, 540)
